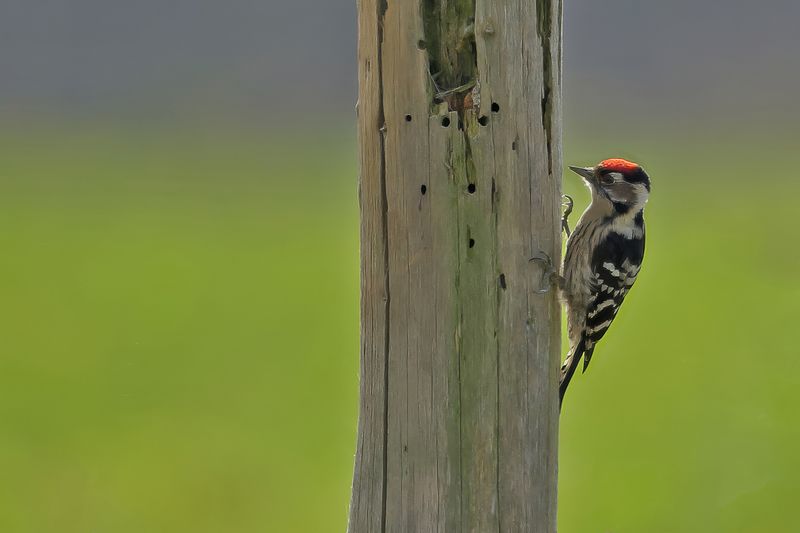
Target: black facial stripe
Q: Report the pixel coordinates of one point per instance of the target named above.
(621, 208)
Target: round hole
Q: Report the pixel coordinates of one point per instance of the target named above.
(423, 189)
(422, 45)
(484, 120)
(471, 188)
(408, 118)
(495, 107)
(472, 243)
(446, 122)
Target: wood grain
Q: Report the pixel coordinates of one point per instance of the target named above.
(458, 425)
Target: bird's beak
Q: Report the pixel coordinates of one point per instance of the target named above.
(586, 173)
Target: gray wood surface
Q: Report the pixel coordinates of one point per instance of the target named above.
(458, 425)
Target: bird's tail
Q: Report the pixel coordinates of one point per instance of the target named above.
(569, 367)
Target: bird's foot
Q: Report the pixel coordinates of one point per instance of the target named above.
(549, 275)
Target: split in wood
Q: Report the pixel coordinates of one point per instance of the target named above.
(568, 204)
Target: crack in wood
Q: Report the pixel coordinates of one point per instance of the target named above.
(544, 28)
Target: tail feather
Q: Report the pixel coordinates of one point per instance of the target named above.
(587, 356)
(569, 367)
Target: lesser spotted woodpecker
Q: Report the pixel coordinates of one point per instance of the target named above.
(603, 257)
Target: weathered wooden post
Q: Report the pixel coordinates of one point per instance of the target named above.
(460, 135)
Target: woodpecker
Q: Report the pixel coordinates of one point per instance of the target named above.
(603, 257)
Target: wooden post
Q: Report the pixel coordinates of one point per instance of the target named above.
(460, 152)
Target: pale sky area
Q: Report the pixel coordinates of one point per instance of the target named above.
(246, 60)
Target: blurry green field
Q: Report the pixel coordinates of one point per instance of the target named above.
(179, 341)
(179, 334)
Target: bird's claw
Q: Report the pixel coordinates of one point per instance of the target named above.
(548, 271)
(568, 204)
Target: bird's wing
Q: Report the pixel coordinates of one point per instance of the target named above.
(615, 265)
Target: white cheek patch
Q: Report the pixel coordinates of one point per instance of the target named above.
(642, 194)
(620, 192)
(631, 194)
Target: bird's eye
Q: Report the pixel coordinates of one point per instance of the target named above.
(606, 179)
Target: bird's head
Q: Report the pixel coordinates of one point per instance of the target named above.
(625, 185)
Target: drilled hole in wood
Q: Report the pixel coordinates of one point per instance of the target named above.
(446, 122)
(472, 243)
(514, 145)
(484, 120)
(495, 107)
(423, 189)
(408, 118)
(471, 188)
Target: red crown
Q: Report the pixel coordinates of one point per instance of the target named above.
(618, 165)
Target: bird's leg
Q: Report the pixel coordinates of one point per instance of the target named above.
(567, 204)
(549, 275)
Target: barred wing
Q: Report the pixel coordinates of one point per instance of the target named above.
(615, 265)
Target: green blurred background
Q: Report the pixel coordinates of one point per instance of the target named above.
(179, 268)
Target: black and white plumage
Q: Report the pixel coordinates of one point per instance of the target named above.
(603, 258)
